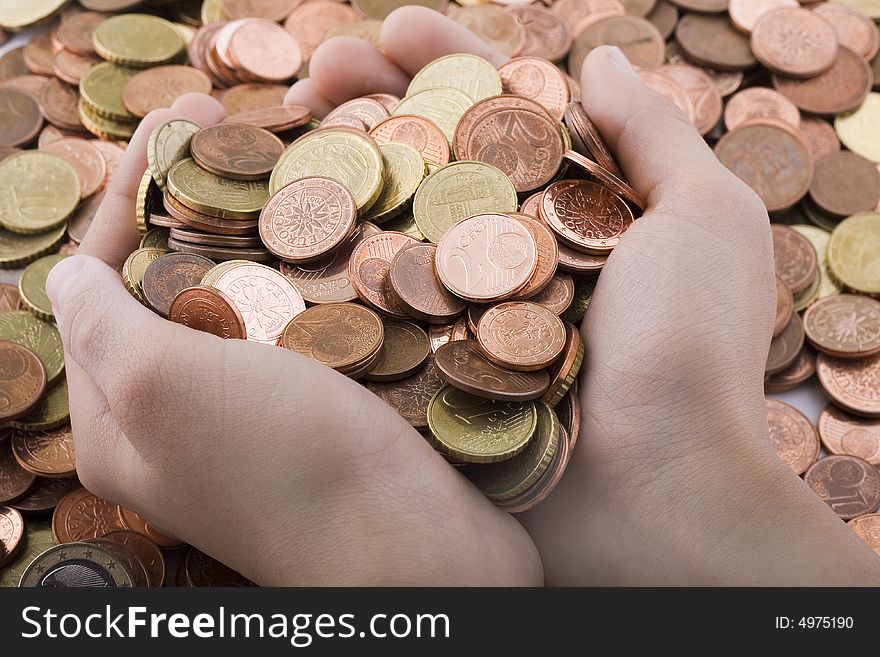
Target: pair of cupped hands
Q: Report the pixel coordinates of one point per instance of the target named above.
(295, 475)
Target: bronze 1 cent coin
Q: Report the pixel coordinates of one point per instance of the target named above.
(803, 367)
(237, 151)
(842, 433)
(404, 350)
(845, 184)
(369, 269)
(795, 256)
(20, 118)
(45, 494)
(210, 310)
(414, 281)
(853, 384)
(792, 435)
(410, 397)
(22, 380)
(785, 347)
(521, 335)
(850, 486)
(80, 514)
(585, 215)
(45, 453)
(461, 364)
(844, 325)
(585, 131)
(418, 132)
(784, 306)
(169, 275)
(557, 295)
(15, 481)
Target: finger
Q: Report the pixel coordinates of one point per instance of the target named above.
(304, 92)
(414, 36)
(113, 234)
(656, 145)
(343, 68)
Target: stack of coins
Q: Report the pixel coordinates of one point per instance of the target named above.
(385, 259)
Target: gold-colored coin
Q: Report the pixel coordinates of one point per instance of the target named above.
(32, 286)
(102, 127)
(343, 154)
(168, 145)
(41, 337)
(216, 272)
(819, 238)
(187, 32)
(38, 192)
(583, 294)
(134, 267)
(468, 73)
(404, 223)
(507, 479)
(142, 202)
(404, 172)
(204, 192)
(101, 91)
(853, 253)
(19, 250)
(858, 131)
(808, 297)
(39, 539)
(138, 40)
(18, 15)
(442, 105)
(477, 430)
(212, 11)
(460, 190)
(156, 238)
(52, 412)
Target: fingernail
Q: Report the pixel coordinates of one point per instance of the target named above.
(61, 278)
(619, 60)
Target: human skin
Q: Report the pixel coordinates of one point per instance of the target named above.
(295, 475)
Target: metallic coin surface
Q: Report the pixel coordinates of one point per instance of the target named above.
(22, 380)
(210, 310)
(40, 337)
(845, 184)
(369, 271)
(274, 119)
(205, 192)
(493, 25)
(169, 275)
(539, 80)
(564, 372)
(236, 151)
(784, 306)
(793, 436)
(137, 523)
(20, 118)
(44, 495)
(159, 87)
(546, 33)
(796, 258)
(404, 350)
(760, 103)
(521, 335)
(587, 216)
(415, 131)
(867, 527)
(11, 534)
(713, 41)
(795, 374)
(852, 253)
(548, 257)
(842, 433)
(794, 42)
(702, 91)
(582, 128)
(413, 279)
(404, 169)
(339, 335)
(637, 37)
(785, 347)
(848, 485)
(146, 551)
(38, 191)
(15, 481)
(169, 144)
(46, 453)
(367, 111)
(841, 88)
(80, 514)
(203, 571)
(853, 384)
(77, 565)
(410, 397)
(844, 325)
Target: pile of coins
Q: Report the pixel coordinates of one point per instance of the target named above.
(442, 247)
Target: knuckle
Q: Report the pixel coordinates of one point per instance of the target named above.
(87, 337)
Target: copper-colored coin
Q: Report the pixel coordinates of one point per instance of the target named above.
(418, 132)
(745, 13)
(585, 132)
(854, 30)
(713, 41)
(345, 121)
(86, 160)
(795, 42)
(368, 111)
(796, 259)
(587, 216)
(307, 219)
(558, 294)
(274, 119)
(262, 50)
(59, 105)
(210, 310)
(844, 325)
(137, 523)
(15, 481)
(845, 184)
(309, 22)
(38, 54)
(563, 374)
(486, 257)
(842, 433)
(237, 151)
(80, 514)
(546, 33)
(579, 13)
(772, 158)
(45, 453)
(204, 571)
(71, 68)
(784, 305)
(12, 64)
(530, 207)
(169, 275)
(840, 89)
(606, 178)
(339, 335)
(246, 98)
(327, 280)
(847, 484)
(704, 95)
(20, 118)
(521, 336)
(146, 552)
(12, 531)
(667, 87)
(853, 384)
(273, 10)
(639, 40)
(441, 334)
(129, 561)
(785, 347)
(188, 217)
(821, 137)
(9, 298)
(538, 80)
(205, 239)
(45, 494)
(159, 87)
(222, 253)
(75, 31)
(461, 364)
(404, 350)
(759, 103)
(22, 380)
(514, 134)
(867, 528)
(794, 375)
(414, 281)
(548, 255)
(81, 220)
(32, 85)
(792, 435)
(369, 269)
(411, 396)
